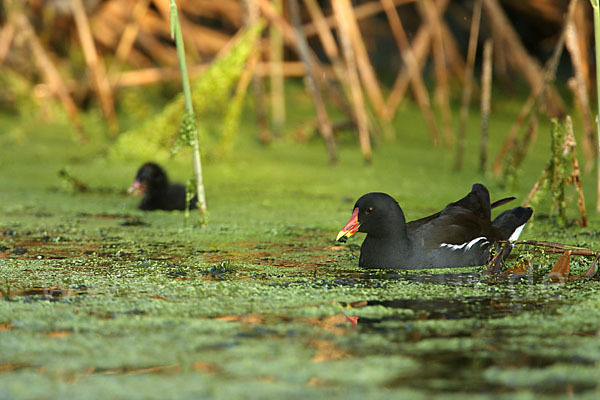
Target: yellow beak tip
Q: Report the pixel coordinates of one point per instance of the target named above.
(342, 236)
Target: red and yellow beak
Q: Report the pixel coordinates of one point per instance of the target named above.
(137, 188)
(350, 229)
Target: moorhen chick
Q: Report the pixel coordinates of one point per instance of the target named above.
(460, 235)
(152, 181)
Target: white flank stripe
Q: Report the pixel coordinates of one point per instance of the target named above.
(515, 235)
(465, 246)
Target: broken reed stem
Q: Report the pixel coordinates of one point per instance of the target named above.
(311, 82)
(189, 107)
(466, 97)
(486, 96)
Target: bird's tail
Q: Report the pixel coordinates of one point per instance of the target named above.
(510, 223)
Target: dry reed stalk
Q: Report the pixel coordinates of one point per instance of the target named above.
(6, 36)
(258, 87)
(248, 73)
(290, 36)
(131, 30)
(276, 75)
(354, 82)
(416, 80)
(534, 101)
(149, 76)
(367, 73)
(49, 71)
(361, 11)
(229, 12)
(501, 62)
(511, 138)
(95, 65)
(518, 55)
(108, 38)
(304, 51)
(128, 38)
(585, 34)
(442, 95)
(579, 88)
(331, 49)
(420, 47)
(198, 39)
(596, 11)
(327, 40)
(290, 69)
(206, 40)
(466, 97)
(486, 97)
(453, 53)
(521, 150)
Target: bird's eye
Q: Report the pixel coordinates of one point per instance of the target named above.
(370, 210)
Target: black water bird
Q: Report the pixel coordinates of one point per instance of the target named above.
(152, 181)
(460, 235)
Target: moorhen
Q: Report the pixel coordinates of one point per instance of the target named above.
(152, 181)
(460, 235)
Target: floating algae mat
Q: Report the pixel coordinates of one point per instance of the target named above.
(100, 300)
